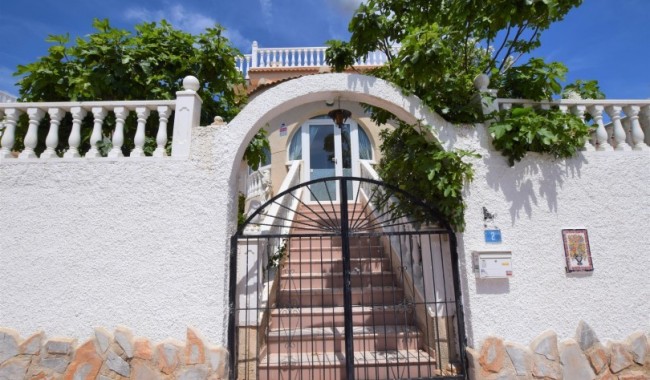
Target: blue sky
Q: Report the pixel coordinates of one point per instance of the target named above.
(603, 39)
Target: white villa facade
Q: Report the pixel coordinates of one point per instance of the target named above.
(143, 245)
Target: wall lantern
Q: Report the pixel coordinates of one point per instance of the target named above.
(339, 116)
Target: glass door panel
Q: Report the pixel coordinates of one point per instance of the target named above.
(322, 161)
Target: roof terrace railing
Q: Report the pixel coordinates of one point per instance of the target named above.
(295, 57)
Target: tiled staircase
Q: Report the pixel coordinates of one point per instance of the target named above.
(305, 337)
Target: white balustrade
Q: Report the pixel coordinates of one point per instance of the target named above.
(296, 57)
(628, 127)
(187, 102)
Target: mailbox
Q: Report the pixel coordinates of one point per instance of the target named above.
(492, 264)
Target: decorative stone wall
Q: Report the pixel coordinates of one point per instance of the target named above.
(109, 356)
(582, 358)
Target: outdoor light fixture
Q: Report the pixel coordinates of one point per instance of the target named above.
(339, 116)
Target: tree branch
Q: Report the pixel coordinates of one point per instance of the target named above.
(520, 31)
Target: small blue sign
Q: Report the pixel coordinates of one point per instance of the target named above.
(493, 236)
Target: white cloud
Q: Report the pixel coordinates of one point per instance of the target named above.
(267, 15)
(8, 81)
(177, 15)
(346, 5)
(238, 40)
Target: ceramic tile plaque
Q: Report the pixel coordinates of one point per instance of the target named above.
(577, 251)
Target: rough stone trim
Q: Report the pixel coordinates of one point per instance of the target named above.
(583, 357)
(110, 356)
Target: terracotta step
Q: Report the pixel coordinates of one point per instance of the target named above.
(363, 265)
(368, 296)
(318, 253)
(332, 339)
(333, 316)
(324, 242)
(369, 365)
(335, 280)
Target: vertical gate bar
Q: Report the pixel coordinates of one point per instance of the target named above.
(231, 301)
(460, 319)
(436, 321)
(347, 288)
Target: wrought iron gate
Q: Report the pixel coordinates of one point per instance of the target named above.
(367, 288)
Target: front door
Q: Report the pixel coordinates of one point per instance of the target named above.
(331, 153)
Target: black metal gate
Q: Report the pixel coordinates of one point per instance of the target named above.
(366, 288)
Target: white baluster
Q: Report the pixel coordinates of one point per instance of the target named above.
(293, 57)
(645, 125)
(99, 113)
(74, 140)
(638, 136)
(9, 133)
(161, 137)
(601, 133)
(254, 57)
(248, 66)
(308, 52)
(301, 60)
(31, 138)
(579, 111)
(506, 106)
(118, 135)
(52, 139)
(139, 139)
(267, 58)
(614, 112)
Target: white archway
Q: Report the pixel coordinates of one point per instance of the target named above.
(354, 87)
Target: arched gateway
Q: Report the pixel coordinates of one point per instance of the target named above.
(328, 289)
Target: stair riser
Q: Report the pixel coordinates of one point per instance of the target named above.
(331, 242)
(337, 344)
(366, 298)
(318, 254)
(390, 372)
(336, 281)
(334, 266)
(379, 318)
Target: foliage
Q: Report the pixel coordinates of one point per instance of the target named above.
(278, 256)
(445, 44)
(545, 131)
(588, 89)
(256, 150)
(435, 49)
(425, 170)
(241, 209)
(145, 64)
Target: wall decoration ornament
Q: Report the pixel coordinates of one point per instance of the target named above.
(577, 251)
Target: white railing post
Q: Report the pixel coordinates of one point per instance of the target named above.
(645, 125)
(9, 132)
(99, 113)
(601, 133)
(188, 115)
(118, 135)
(139, 139)
(253, 55)
(31, 139)
(74, 140)
(52, 139)
(614, 112)
(161, 137)
(638, 136)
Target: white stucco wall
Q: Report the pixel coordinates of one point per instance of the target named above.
(608, 193)
(145, 242)
(99, 243)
